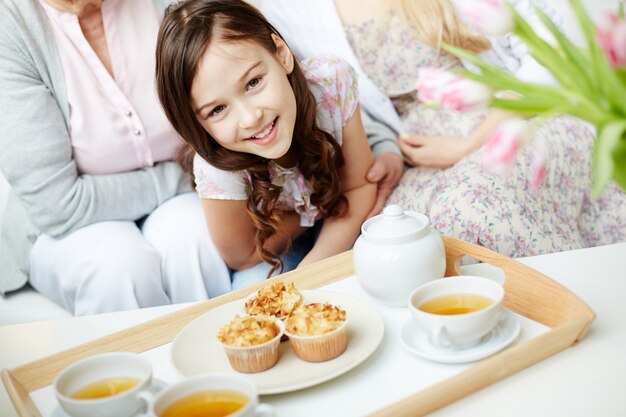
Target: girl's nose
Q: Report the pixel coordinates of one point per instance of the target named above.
(251, 117)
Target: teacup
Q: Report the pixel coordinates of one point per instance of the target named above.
(106, 385)
(456, 312)
(215, 394)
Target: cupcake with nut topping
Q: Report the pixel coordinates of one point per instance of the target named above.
(251, 342)
(317, 332)
(277, 299)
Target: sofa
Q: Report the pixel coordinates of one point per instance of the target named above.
(26, 304)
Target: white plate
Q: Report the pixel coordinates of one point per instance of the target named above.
(416, 341)
(195, 349)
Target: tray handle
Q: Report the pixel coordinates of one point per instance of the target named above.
(21, 400)
(527, 291)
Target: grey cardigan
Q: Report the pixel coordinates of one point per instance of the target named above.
(47, 193)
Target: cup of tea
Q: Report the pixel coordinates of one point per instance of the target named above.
(456, 312)
(106, 385)
(215, 394)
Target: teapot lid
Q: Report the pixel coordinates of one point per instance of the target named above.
(395, 225)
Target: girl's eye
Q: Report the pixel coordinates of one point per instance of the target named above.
(253, 83)
(216, 111)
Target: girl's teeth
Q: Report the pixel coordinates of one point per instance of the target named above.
(265, 132)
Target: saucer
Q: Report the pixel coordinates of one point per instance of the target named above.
(503, 334)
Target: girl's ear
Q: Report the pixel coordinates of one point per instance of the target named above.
(283, 53)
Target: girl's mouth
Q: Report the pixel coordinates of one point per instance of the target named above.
(266, 134)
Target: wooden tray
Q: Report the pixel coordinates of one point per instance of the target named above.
(528, 293)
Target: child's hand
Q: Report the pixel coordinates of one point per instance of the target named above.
(385, 172)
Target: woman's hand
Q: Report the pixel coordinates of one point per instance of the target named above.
(445, 151)
(434, 151)
(385, 172)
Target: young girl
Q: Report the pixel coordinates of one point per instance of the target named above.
(278, 144)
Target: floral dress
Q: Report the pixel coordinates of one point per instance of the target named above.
(466, 201)
(333, 84)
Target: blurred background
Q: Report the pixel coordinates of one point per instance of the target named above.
(594, 7)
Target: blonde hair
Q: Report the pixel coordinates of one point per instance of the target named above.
(437, 21)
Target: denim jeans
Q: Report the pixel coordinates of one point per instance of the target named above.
(300, 247)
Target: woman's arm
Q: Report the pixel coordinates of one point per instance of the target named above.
(36, 153)
(233, 232)
(339, 233)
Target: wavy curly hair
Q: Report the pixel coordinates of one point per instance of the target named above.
(186, 31)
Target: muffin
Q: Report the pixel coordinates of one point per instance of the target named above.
(317, 332)
(251, 342)
(277, 299)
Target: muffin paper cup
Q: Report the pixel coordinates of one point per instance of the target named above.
(319, 348)
(256, 358)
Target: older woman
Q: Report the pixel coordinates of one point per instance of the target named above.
(100, 218)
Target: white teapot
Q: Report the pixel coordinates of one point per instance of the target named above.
(397, 252)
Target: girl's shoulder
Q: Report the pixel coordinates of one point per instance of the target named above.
(215, 183)
(334, 85)
(330, 73)
(326, 68)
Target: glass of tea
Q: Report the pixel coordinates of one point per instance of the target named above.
(210, 395)
(456, 312)
(106, 385)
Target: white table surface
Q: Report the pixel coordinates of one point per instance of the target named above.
(588, 379)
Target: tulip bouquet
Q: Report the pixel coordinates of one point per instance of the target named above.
(591, 85)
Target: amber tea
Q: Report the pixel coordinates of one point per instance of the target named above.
(456, 304)
(105, 388)
(207, 404)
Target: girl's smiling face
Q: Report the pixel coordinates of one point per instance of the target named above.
(242, 97)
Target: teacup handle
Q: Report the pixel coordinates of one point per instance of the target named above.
(264, 410)
(148, 395)
(439, 337)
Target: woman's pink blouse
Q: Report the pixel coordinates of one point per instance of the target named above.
(116, 122)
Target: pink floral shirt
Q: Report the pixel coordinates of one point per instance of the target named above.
(333, 82)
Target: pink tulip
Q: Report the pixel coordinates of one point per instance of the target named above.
(449, 91)
(611, 34)
(430, 83)
(505, 141)
(489, 17)
(538, 167)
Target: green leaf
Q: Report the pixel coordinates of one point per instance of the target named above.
(621, 73)
(578, 62)
(493, 76)
(544, 53)
(499, 80)
(604, 164)
(611, 89)
(619, 161)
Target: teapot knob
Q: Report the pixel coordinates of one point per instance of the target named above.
(393, 210)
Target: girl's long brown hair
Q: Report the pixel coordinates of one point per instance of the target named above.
(186, 31)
